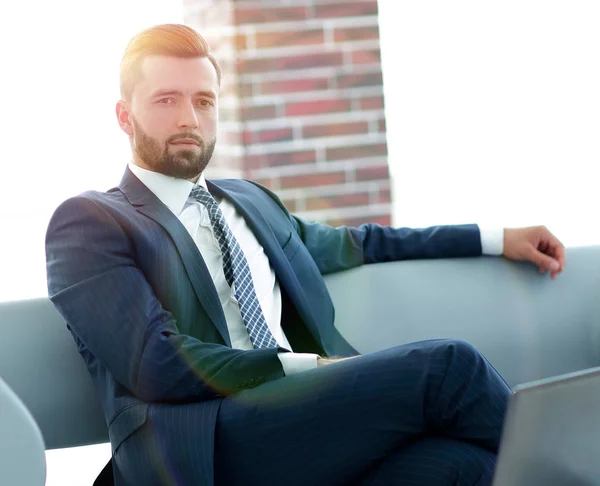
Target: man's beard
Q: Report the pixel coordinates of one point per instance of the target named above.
(184, 164)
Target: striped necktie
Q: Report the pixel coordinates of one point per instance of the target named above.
(237, 272)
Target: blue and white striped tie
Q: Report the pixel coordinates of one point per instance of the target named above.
(236, 269)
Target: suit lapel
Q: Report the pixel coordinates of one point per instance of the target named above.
(257, 222)
(148, 204)
(264, 234)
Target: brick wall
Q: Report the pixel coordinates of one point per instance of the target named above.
(302, 108)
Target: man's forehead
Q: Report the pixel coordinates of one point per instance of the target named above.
(181, 74)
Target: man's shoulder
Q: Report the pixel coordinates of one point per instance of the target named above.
(112, 201)
(111, 198)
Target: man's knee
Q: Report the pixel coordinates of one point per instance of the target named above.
(463, 351)
(454, 352)
(461, 358)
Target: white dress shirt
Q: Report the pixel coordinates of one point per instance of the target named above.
(174, 193)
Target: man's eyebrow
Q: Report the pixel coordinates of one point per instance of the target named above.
(172, 92)
(208, 94)
(166, 92)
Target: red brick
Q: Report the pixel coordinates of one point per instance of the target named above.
(359, 80)
(372, 103)
(228, 90)
(228, 114)
(239, 41)
(356, 34)
(357, 9)
(290, 204)
(246, 90)
(306, 61)
(372, 56)
(229, 137)
(372, 173)
(339, 201)
(357, 152)
(383, 196)
(278, 135)
(383, 220)
(248, 137)
(335, 129)
(227, 66)
(312, 180)
(222, 161)
(290, 38)
(381, 125)
(317, 107)
(243, 16)
(217, 41)
(215, 14)
(294, 86)
(268, 182)
(280, 159)
(258, 112)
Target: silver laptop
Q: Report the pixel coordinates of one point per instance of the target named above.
(552, 433)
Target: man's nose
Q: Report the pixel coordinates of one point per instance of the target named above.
(187, 116)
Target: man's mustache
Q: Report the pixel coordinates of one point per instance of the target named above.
(189, 136)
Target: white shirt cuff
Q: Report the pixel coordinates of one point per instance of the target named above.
(297, 362)
(492, 241)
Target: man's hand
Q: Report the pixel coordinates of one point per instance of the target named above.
(535, 244)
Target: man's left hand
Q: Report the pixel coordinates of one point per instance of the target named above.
(537, 245)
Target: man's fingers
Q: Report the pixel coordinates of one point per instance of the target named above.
(556, 249)
(544, 262)
(552, 246)
(558, 253)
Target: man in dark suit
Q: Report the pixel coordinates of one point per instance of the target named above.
(200, 310)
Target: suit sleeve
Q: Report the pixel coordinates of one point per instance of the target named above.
(344, 247)
(336, 249)
(106, 300)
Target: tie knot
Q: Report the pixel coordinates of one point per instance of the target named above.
(200, 194)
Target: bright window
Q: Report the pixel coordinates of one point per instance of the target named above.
(60, 137)
(60, 71)
(493, 112)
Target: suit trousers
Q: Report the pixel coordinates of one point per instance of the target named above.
(427, 413)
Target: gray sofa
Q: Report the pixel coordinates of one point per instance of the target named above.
(527, 325)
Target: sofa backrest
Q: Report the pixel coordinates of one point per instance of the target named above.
(528, 326)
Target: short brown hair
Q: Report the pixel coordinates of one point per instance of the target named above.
(161, 40)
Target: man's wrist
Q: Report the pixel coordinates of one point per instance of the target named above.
(324, 361)
(327, 361)
(293, 363)
(492, 241)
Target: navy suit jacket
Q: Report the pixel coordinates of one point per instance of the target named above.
(140, 303)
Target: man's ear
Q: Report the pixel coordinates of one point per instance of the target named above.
(124, 117)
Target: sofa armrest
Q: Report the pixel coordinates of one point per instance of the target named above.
(22, 459)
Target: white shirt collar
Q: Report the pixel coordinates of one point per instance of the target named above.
(171, 191)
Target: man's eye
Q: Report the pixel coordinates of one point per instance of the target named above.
(166, 101)
(205, 103)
